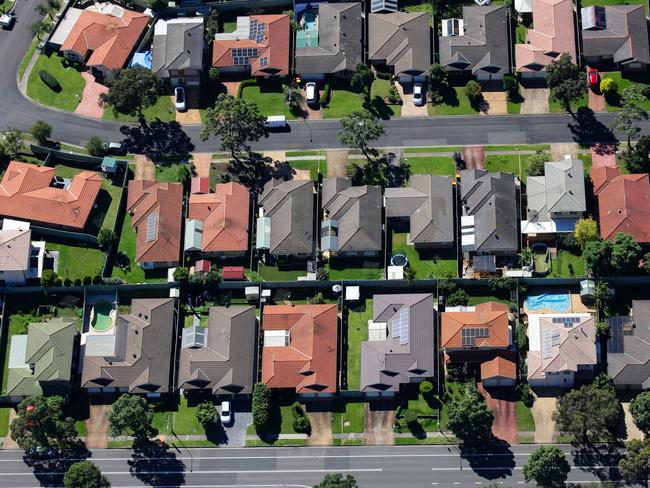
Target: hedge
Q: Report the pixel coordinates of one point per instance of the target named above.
(426, 387)
(327, 93)
(244, 84)
(47, 78)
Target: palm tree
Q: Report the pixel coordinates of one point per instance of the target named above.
(526, 256)
(293, 97)
(54, 4)
(41, 9)
(38, 28)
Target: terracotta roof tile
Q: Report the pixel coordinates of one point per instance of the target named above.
(498, 367)
(624, 207)
(492, 315)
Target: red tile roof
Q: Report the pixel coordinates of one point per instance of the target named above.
(25, 193)
(200, 185)
(109, 39)
(498, 367)
(602, 175)
(165, 200)
(308, 363)
(274, 47)
(233, 273)
(224, 214)
(492, 315)
(202, 265)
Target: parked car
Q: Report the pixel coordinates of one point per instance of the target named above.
(592, 77)
(116, 148)
(42, 452)
(311, 93)
(419, 98)
(226, 413)
(7, 20)
(276, 122)
(179, 96)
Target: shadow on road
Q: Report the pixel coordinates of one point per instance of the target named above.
(490, 460)
(155, 464)
(586, 128)
(601, 460)
(49, 472)
(156, 139)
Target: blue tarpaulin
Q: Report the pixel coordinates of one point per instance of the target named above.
(142, 59)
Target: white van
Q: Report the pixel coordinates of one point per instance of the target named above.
(276, 122)
(311, 93)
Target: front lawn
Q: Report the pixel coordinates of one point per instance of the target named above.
(312, 165)
(557, 107)
(623, 80)
(509, 163)
(434, 165)
(348, 417)
(281, 424)
(269, 98)
(343, 101)
(378, 92)
(357, 332)
(525, 419)
(77, 262)
(429, 409)
(561, 263)
(455, 103)
(162, 110)
(69, 78)
(168, 173)
(428, 264)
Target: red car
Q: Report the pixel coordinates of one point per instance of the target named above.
(592, 77)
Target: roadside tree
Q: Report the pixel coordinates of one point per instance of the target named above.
(640, 410)
(359, 130)
(637, 158)
(566, 80)
(470, 419)
(130, 90)
(95, 147)
(40, 422)
(84, 474)
(42, 131)
(337, 480)
(634, 466)
(548, 467)
(132, 415)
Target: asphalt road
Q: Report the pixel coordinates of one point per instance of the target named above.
(17, 111)
(373, 467)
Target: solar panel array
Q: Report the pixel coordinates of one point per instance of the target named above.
(468, 335)
(567, 321)
(400, 326)
(257, 31)
(152, 226)
(550, 339)
(241, 55)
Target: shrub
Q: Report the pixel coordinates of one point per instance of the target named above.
(49, 278)
(181, 274)
(244, 84)
(95, 147)
(322, 274)
(206, 414)
(383, 75)
(426, 387)
(87, 280)
(526, 395)
(67, 282)
(261, 406)
(511, 87)
(608, 86)
(41, 132)
(473, 92)
(327, 93)
(300, 421)
(97, 280)
(77, 282)
(47, 78)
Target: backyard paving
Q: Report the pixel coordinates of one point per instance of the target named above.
(494, 103)
(596, 102)
(558, 151)
(321, 429)
(631, 429)
(502, 403)
(535, 100)
(89, 104)
(474, 157)
(145, 168)
(542, 411)
(202, 163)
(408, 107)
(603, 155)
(9, 443)
(97, 427)
(337, 162)
(379, 420)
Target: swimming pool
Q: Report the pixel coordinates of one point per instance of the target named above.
(307, 36)
(555, 302)
(102, 316)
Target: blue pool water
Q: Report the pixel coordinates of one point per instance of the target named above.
(310, 17)
(556, 302)
(307, 36)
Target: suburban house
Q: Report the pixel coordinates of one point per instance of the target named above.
(300, 350)
(259, 46)
(217, 223)
(352, 220)
(40, 362)
(477, 44)
(561, 349)
(425, 208)
(616, 34)
(552, 35)
(135, 354)
(330, 39)
(555, 201)
(285, 219)
(400, 42)
(220, 357)
(33, 193)
(489, 215)
(102, 36)
(623, 203)
(524, 7)
(480, 335)
(400, 345)
(177, 53)
(156, 211)
(21, 258)
(628, 350)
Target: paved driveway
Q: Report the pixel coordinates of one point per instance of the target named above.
(202, 163)
(494, 103)
(97, 427)
(337, 162)
(502, 403)
(596, 101)
(380, 417)
(321, 428)
(234, 435)
(89, 104)
(474, 157)
(542, 411)
(408, 107)
(631, 429)
(535, 100)
(558, 151)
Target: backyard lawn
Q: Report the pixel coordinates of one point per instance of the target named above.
(437, 264)
(525, 419)
(364, 268)
(282, 273)
(162, 110)
(125, 266)
(77, 262)
(435, 165)
(357, 333)
(623, 80)
(69, 77)
(269, 98)
(478, 299)
(342, 102)
(455, 103)
(564, 259)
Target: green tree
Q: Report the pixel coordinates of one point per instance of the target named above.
(640, 410)
(106, 238)
(337, 480)
(597, 256)
(322, 274)
(181, 274)
(548, 467)
(626, 121)
(262, 404)
(49, 278)
(575, 410)
(206, 414)
(626, 254)
(293, 98)
(457, 298)
(637, 157)
(602, 296)
(608, 86)
(473, 92)
(237, 122)
(42, 10)
(157, 4)
(362, 79)
(130, 90)
(317, 299)
(438, 84)
(40, 422)
(84, 474)
(42, 131)
(12, 143)
(183, 174)
(634, 466)
(359, 129)
(469, 418)
(536, 164)
(646, 262)
(38, 28)
(586, 230)
(53, 4)
(211, 25)
(410, 273)
(95, 147)
(214, 74)
(132, 415)
(566, 80)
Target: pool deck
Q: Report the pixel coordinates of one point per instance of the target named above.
(91, 300)
(576, 306)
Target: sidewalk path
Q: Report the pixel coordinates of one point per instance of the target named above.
(202, 163)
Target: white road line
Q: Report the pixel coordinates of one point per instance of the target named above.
(187, 473)
(518, 468)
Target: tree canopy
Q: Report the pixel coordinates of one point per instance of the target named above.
(84, 474)
(566, 80)
(640, 410)
(131, 415)
(634, 466)
(362, 79)
(626, 120)
(337, 480)
(42, 131)
(40, 422)
(359, 130)
(620, 256)
(130, 90)
(586, 230)
(536, 164)
(469, 418)
(637, 157)
(262, 403)
(548, 467)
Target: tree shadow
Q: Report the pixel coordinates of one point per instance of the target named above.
(50, 472)
(587, 129)
(122, 262)
(156, 139)
(271, 432)
(416, 430)
(154, 464)
(600, 459)
(450, 97)
(379, 107)
(491, 459)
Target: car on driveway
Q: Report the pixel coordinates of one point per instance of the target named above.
(226, 413)
(179, 99)
(592, 77)
(311, 93)
(419, 97)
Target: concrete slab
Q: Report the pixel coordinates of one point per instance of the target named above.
(145, 168)
(321, 429)
(337, 162)
(190, 116)
(535, 100)
(97, 427)
(379, 421)
(542, 411)
(408, 107)
(474, 157)
(494, 103)
(558, 151)
(89, 104)
(202, 164)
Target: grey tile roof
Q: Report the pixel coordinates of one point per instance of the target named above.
(177, 45)
(561, 189)
(289, 205)
(402, 40)
(484, 45)
(628, 356)
(357, 209)
(142, 350)
(624, 36)
(225, 365)
(340, 40)
(428, 201)
(386, 364)
(491, 199)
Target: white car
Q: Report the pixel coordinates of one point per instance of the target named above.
(226, 413)
(311, 93)
(7, 20)
(419, 98)
(179, 98)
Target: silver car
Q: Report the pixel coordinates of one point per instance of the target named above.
(419, 98)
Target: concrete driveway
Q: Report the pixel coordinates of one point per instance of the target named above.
(494, 103)
(97, 427)
(89, 103)
(558, 151)
(408, 107)
(145, 168)
(337, 162)
(542, 411)
(379, 421)
(321, 428)
(535, 100)
(631, 429)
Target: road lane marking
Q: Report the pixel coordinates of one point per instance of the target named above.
(186, 472)
(518, 468)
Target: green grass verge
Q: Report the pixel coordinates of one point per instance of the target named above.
(449, 149)
(162, 110)
(455, 103)
(304, 153)
(27, 58)
(438, 440)
(268, 96)
(525, 419)
(350, 420)
(347, 442)
(77, 262)
(438, 264)
(357, 333)
(69, 78)
(120, 444)
(519, 147)
(4, 421)
(277, 443)
(434, 165)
